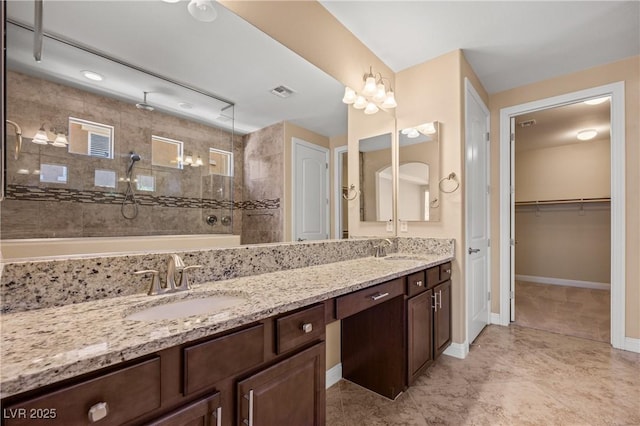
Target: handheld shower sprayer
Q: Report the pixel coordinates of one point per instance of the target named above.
(129, 195)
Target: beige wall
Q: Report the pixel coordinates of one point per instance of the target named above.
(628, 71)
(564, 172)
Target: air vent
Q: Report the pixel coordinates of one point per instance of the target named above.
(282, 91)
(528, 123)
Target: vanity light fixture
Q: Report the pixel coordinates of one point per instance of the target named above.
(198, 162)
(41, 137)
(585, 135)
(374, 94)
(61, 140)
(188, 160)
(91, 75)
(425, 129)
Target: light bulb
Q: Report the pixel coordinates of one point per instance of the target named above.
(369, 86)
(350, 95)
(413, 134)
(390, 102)
(202, 10)
(380, 95)
(188, 159)
(41, 137)
(371, 108)
(360, 102)
(427, 128)
(198, 162)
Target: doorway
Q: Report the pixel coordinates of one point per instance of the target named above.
(310, 190)
(617, 194)
(562, 219)
(341, 192)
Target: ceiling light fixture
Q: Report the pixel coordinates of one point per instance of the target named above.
(374, 94)
(202, 10)
(597, 101)
(585, 135)
(91, 75)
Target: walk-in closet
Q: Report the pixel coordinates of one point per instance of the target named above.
(563, 219)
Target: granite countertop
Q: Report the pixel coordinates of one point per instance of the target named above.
(45, 346)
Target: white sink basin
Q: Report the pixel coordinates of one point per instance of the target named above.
(186, 308)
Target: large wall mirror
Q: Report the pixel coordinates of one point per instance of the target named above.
(180, 113)
(418, 171)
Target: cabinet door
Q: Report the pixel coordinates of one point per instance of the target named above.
(442, 317)
(292, 392)
(419, 334)
(203, 412)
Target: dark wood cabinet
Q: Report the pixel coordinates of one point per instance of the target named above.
(203, 412)
(290, 392)
(419, 334)
(441, 317)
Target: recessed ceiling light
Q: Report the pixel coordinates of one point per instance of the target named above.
(91, 75)
(585, 135)
(185, 105)
(596, 101)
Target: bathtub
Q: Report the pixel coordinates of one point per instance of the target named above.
(52, 248)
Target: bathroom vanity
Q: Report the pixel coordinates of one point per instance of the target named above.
(261, 362)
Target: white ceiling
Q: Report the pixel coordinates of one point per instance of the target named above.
(507, 43)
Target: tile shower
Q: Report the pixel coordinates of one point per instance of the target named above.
(179, 201)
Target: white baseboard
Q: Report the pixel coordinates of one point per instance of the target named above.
(561, 281)
(334, 374)
(457, 350)
(631, 344)
(495, 319)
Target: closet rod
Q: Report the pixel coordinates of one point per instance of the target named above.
(567, 201)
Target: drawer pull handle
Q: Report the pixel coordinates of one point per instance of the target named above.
(98, 412)
(379, 296)
(419, 283)
(434, 306)
(249, 421)
(307, 327)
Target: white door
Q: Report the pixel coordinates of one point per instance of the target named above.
(512, 240)
(477, 212)
(310, 191)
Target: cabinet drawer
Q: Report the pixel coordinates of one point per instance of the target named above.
(416, 283)
(433, 277)
(111, 399)
(363, 299)
(445, 271)
(207, 363)
(299, 328)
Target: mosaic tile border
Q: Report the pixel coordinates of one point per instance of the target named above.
(34, 193)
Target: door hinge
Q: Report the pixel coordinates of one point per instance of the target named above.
(326, 165)
(513, 189)
(488, 242)
(488, 136)
(488, 189)
(511, 295)
(488, 295)
(513, 137)
(512, 242)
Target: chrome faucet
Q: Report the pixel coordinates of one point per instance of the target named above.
(175, 264)
(381, 249)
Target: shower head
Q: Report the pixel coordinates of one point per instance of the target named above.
(134, 157)
(144, 105)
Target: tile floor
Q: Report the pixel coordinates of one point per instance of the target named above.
(573, 311)
(512, 376)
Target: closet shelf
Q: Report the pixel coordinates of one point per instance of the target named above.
(567, 201)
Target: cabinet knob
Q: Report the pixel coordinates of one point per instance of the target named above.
(98, 412)
(419, 283)
(307, 327)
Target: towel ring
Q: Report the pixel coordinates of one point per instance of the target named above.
(352, 189)
(452, 176)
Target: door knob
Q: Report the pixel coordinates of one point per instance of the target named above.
(472, 250)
